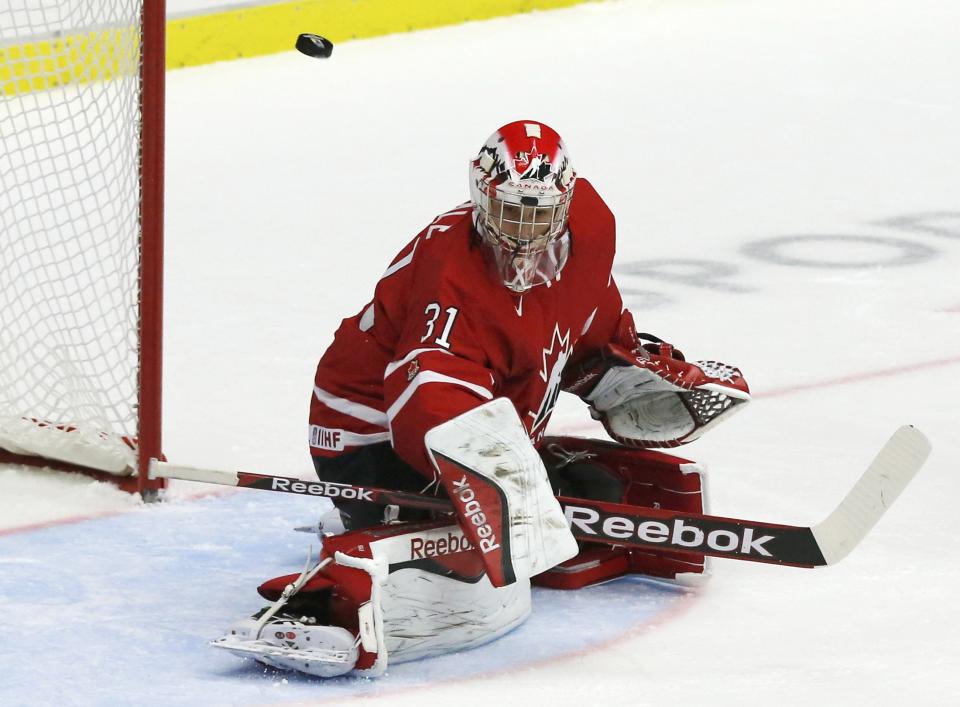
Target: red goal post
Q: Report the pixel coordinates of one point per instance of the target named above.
(81, 236)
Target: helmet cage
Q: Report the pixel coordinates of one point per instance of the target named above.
(527, 243)
(522, 186)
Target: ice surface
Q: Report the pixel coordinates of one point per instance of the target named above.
(122, 608)
(786, 180)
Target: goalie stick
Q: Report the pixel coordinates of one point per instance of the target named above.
(826, 543)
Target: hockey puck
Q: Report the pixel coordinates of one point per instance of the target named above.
(314, 45)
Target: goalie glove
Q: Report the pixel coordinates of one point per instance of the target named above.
(652, 397)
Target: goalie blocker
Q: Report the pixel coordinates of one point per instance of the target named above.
(500, 492)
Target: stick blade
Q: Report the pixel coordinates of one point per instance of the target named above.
(166, 470)
(893, 468)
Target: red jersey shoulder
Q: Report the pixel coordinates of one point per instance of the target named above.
(447, 261)
(448, 239)
(589, 209)
(436, 268)
(593, 231)
(415, 249)
(446, 235)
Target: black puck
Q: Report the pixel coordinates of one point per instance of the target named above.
(314, 45)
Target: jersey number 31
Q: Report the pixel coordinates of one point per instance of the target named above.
(433, 313)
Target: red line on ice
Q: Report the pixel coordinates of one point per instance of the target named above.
(103, 514)
(61, 521)
(848, 379)
(859, 377)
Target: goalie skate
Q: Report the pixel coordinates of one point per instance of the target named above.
(289, 644)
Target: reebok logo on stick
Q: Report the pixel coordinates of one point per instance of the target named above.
(678, 533)
(320, 488)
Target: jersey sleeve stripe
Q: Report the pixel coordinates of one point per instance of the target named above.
(348, 407)
(587, 324)
(425, 377)
(403, 262)
(391, 367)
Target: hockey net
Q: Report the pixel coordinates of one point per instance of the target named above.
(81, 87)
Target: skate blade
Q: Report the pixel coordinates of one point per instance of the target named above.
(321, 662)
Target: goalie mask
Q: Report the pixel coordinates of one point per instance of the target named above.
(521, 184)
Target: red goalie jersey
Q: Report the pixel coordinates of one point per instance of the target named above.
(443, 335)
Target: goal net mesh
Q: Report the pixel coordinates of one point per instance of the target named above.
(69, 229)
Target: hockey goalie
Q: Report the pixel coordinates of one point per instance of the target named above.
(443, 384)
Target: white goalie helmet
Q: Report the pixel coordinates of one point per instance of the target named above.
(521, 184)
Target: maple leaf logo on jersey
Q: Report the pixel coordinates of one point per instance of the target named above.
(413, 369)
(554, 359)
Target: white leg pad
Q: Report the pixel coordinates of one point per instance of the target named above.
(426, 614)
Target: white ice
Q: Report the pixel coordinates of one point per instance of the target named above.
(715, 131)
